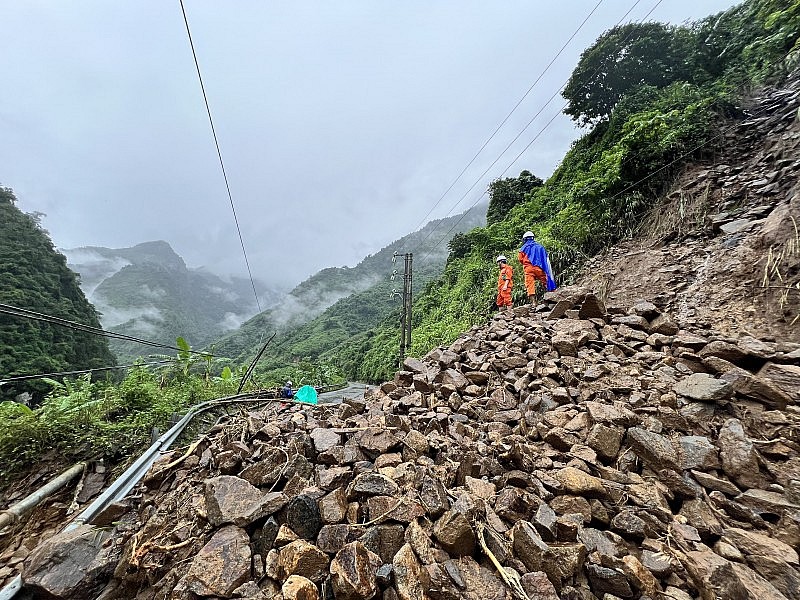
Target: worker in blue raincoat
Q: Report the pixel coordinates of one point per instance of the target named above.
(535, 266)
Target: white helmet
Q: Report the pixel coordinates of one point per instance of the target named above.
(501, 258)
(289, 382)
(527, 234)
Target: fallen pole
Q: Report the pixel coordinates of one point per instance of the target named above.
(18, 510)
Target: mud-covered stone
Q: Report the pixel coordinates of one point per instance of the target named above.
(353, 572)
(71, 565)
(222, 565)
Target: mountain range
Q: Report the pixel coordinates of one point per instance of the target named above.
(147, 291)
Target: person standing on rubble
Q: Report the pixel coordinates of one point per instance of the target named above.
(536, 266)
(505, 281)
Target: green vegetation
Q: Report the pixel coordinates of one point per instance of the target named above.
(331, 309)
(36, 277)
(654, 96)
(82, 419)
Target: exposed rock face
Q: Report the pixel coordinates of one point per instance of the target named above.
(593, 450)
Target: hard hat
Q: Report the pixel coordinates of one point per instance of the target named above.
(527, 234)
(501, 257)
(289, 382)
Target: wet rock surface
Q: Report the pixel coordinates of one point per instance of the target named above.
(586, 476)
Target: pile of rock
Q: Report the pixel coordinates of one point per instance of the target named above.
(584, 453)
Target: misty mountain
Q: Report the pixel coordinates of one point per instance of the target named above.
(339, 302)
(147, 291)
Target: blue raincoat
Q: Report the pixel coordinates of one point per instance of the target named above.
(538, 257)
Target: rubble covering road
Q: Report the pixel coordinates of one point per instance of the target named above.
(574, 453)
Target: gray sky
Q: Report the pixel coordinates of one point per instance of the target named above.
(341, 123)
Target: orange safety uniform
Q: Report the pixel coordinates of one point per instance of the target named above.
(505, 282)
(532, 274)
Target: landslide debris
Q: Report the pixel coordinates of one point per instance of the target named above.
(723, 247)
(581, 452)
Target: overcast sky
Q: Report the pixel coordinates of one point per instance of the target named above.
(341, 123)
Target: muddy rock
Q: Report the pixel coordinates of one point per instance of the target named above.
(297, 587)
(222, 565)
(301, 558)
(353, 572)
(231, 499)
(71, 565)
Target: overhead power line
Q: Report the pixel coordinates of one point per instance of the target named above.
(511, 143)
(14, 378)
(219, 154)
(15, 311)
(515, 107)
(523, 130)
(690, 152)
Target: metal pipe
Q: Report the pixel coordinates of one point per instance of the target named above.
(15, 512)
(125, 482)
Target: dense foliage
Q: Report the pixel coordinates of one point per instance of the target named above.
(81, 419)
(35, 277)
(336, 304)
(655, 96)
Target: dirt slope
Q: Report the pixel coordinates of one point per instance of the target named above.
(722, 250)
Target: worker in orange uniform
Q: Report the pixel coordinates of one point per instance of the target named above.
(505, 282)
(536, 266)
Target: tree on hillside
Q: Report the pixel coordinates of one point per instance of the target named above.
(35, 277)
(505, 194)
(624, 59)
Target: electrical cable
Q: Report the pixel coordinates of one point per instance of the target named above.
(511, 143)
(516, 106)
(219, 154)
(29, 314)
(12, 378)
(707, 142)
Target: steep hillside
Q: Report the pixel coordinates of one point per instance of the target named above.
(723, 247)
(339, 302)
(147, 291)
(645, 128)
(35, 277)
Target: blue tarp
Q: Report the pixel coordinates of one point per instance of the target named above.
(306, 394)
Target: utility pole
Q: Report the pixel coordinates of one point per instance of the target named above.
(405, 314)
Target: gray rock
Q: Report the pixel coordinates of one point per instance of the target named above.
(325, 439)
(703, 388)
(231, 499)
(739, 460)
(697, 452)
(72, 565)
(222, 565)
(654, 449)
(608, 581)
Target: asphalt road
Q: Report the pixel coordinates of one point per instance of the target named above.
(353, 390)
